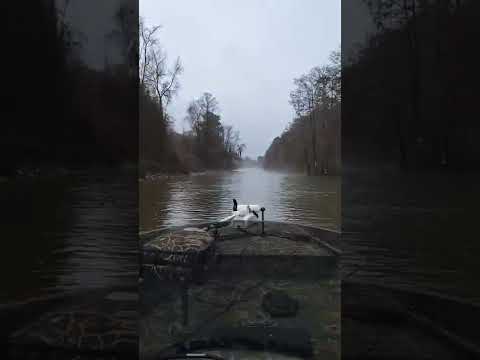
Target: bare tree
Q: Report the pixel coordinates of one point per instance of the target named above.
(214, 144)
(391, 14)
(320, 87)
(148, 40)
(194, 116)
(235, 139)
(155, 75)
(240, 149)
(208, 104)
(315, 92)
(228, 138)
(304, 99)
(162, 80)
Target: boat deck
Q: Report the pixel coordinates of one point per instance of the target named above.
(280, 253)
(296, 260)
(269, 246)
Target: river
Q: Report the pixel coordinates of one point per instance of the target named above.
(68, 234)
(294, 198)
(400, 229)
(80, 232)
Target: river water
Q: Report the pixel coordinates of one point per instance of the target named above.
(80, 232)
(294, 198)
(399, 229)
(68, 234)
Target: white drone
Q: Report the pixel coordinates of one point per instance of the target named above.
(242, 215)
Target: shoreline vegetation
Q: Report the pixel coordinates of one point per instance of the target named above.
(67, 125)
(382, 123)
(162, 175)
(311, 142)
(209, 144)
(411, 89)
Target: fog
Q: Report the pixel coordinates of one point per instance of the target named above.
(247, 54)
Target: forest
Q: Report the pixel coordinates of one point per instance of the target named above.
(208, 145)
(408, 96)
(409, 93)
(311, 143)
(61, 113)
(64, 114)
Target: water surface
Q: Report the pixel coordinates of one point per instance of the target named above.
(68, 234)
(294, 198)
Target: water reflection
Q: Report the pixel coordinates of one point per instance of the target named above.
(181, 200)
(100, 248)
(69, 234)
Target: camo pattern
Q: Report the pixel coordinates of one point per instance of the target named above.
(182, 247)
(81, 330)
(231, 304)
(170, 272)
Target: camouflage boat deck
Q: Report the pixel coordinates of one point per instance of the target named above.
(93, 325)
(298, 261)
(284, 252)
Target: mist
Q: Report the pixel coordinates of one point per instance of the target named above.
(247, 55)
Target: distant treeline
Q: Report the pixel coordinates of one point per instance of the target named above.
(311, 143)
(410, 95)
(62, 113)
(57, 111)
(207, 145)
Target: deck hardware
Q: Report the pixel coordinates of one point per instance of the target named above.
(263, 220)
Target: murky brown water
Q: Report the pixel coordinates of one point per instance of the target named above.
(411, 230)
(68, 234)
(294, 198)
(396, 228)
(79, 232)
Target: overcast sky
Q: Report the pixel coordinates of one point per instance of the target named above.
(247, 54)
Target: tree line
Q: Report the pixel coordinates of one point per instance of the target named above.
(410, 92)
(311, 142)
(63, 113)
(60, 112)
(208, 144)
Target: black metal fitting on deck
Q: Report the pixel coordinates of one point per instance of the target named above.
(263, 220)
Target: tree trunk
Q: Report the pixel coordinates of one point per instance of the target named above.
(307, 165)
(441, 20)
(414, 48)
(401, 142)
(413, 63)
(314, 143)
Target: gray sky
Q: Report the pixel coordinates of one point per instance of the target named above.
(246, 53)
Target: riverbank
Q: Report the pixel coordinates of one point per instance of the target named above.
(296, 170)
(152, 171)
(166, 176)
(53, 170)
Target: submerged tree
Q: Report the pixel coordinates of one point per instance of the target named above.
(409, 90)
(315, 94)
